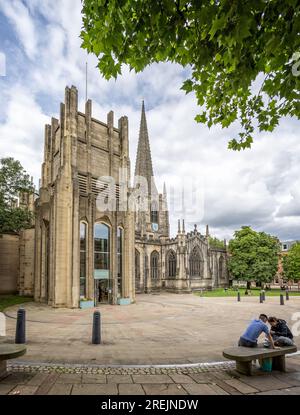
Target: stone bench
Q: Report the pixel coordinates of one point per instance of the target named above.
(9, 351)
(243, 356)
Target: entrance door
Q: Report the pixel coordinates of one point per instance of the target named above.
(101, 292)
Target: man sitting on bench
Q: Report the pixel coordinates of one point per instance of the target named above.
(254, 330)
(280, 332)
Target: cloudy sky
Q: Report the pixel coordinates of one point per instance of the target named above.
(258, 187)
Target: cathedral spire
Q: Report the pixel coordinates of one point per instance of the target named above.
(207, 231)
(179, 230)
(143, 165)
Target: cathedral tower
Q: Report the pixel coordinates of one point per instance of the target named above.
(152, 218)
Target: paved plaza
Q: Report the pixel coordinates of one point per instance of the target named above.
(158, 329)
(184, 333)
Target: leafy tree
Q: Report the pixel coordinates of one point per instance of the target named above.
(13, 182)
(215, 242)
(291, 263)
(253, 255)
(243, 56)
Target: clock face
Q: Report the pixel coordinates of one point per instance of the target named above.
(155, 227)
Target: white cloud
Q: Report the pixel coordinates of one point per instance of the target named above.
(21, 134)
(23, 23)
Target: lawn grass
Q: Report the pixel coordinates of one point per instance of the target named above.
(220, 292)
(9, 300)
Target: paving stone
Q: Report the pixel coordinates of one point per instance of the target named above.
(17, 378)
(164, 389)
(292, 391)
(293, 364)
(179, 378)
(60, 389)
(69, 378)
(241, 386)
(90, 378)
(292, 379)
(119, 379)
(37, 379)
(264, 383)
(199, 389)
(218, 389)
(151, 379)
(203, 377)
(23, 390)
(273, 392)
(130, 389)
(5, 389)
(227, 388)
(224, 375)
(95, 389)
(47, 384)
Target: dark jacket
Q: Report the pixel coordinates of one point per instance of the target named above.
(281, 329)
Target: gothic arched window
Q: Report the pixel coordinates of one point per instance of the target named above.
(221, 267)
(83, 245)
(171, 264)
(154, 264)
(154, 213)
(102, 249)
(137, 268)
(120, 259)
(196, 263)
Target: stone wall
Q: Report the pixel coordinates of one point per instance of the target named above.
(26, 275)
(9, 263)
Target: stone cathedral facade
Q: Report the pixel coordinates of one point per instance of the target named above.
(83, 251)
(180, 264)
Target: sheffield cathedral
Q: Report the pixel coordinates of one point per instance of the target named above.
(79, 249)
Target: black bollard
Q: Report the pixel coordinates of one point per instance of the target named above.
(287, 296)
(263, 296)
(96, 337)
(239, 296)
(20, 327)
(281, 299)
(261, 299)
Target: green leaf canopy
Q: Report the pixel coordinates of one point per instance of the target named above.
(253, 256)
(291, 263)
(13, 181)
(244, 56)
